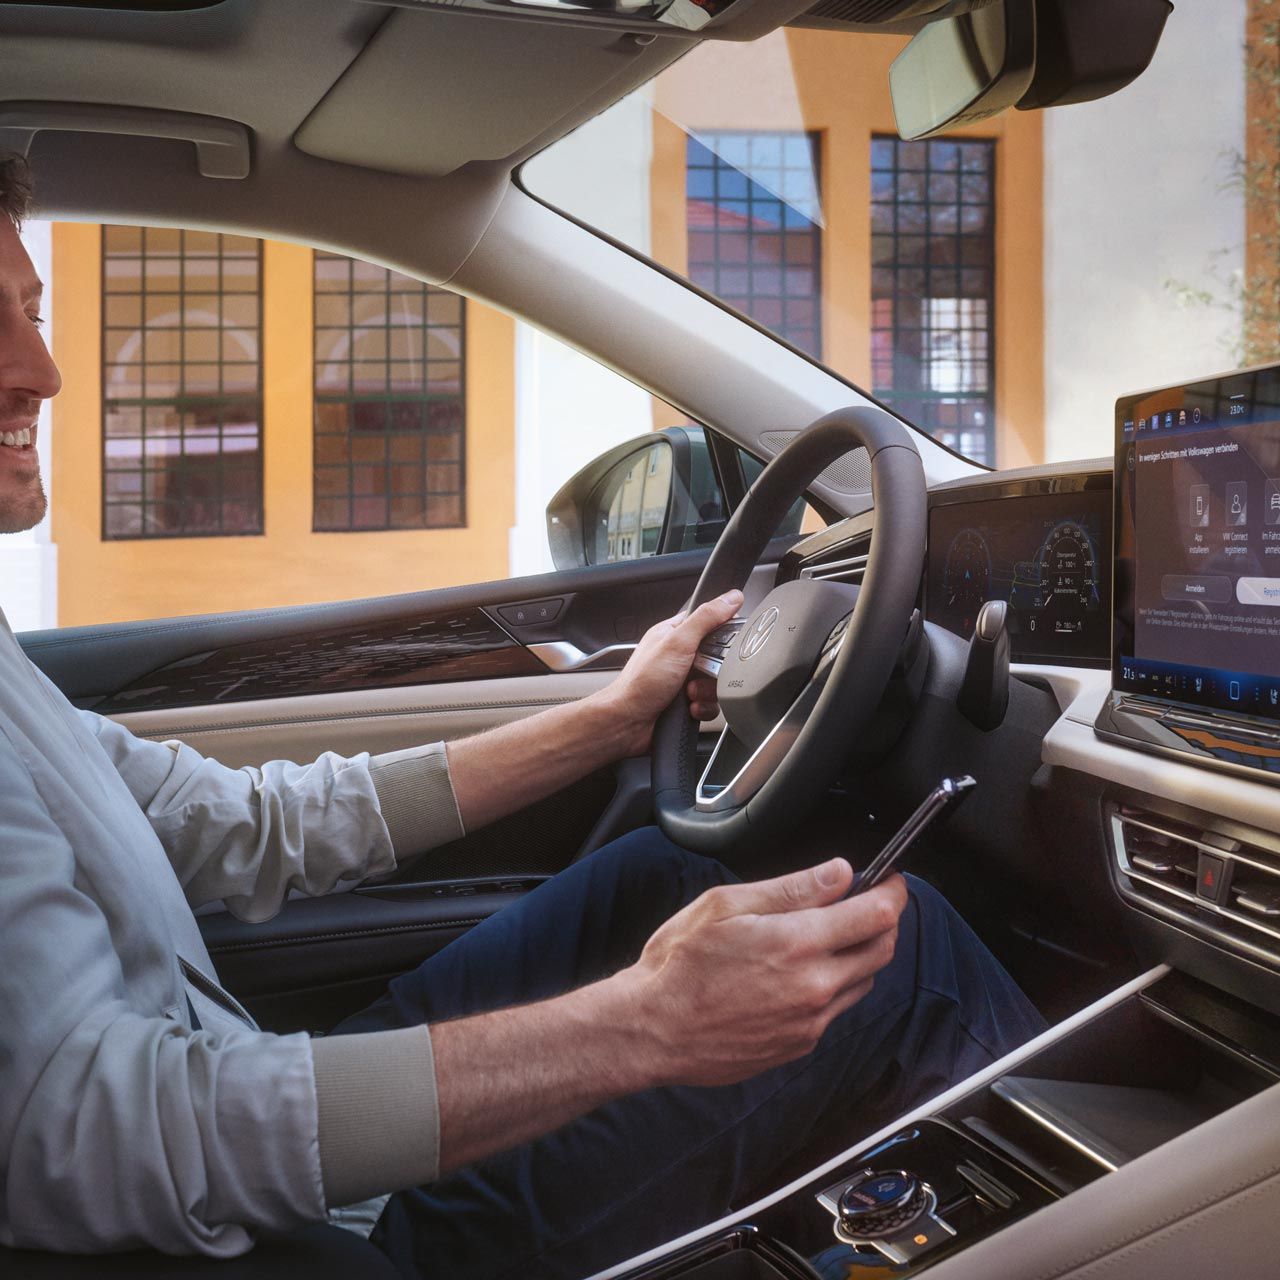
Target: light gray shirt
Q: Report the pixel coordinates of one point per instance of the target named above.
(121, 1124)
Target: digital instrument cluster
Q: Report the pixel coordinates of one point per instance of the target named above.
(1047, 553)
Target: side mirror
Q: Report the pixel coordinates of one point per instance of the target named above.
(964, 68)
(647, 497)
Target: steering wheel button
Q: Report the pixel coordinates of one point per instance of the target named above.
(725, 635)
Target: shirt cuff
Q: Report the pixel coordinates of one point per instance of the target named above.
(378, 1115)
(415, 795)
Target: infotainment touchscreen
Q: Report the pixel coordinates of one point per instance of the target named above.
(1197, 600)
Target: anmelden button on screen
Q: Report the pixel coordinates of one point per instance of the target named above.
(1214, 588)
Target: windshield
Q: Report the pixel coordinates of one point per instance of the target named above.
(1000, 286)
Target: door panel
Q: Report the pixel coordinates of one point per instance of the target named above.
(325, 958)
(373, 720)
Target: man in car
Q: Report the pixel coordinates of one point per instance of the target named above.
(604, 1065)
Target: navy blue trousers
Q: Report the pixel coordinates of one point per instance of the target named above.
(652, 1166)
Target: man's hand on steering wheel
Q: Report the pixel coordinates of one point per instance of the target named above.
(662, 663)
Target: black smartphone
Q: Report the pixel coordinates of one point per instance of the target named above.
(948, 795)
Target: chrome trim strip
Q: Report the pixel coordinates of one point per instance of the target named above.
(928, 1108)
(1077, 1144)
(836, 570)
(562, 656)
(758, 769)
(771, 752)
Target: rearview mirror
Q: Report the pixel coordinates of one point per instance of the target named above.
(1086, 49)
(1025, 53)
(964, 68)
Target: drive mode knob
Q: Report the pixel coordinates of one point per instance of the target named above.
(881, 1203)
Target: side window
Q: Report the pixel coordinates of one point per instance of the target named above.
(801, 515)
(247, 424)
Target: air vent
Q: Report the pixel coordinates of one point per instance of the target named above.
(845, 562)
(1224, 888)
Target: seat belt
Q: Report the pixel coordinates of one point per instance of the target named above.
(210, 989)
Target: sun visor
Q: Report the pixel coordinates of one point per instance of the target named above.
(432, 91)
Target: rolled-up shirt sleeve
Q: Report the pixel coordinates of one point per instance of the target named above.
(120, 1127)
(248, 836)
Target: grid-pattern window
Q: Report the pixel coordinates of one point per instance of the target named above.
(390, 411)
(933, 287)
(753, 224)
(181, 383)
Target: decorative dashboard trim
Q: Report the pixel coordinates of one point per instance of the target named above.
(431, 649)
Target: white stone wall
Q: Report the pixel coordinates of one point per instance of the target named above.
(1134, 201)
(569, 409)
(29, 561)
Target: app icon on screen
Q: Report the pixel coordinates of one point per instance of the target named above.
(1237, 502)
(1271, 501)
(1199, 506)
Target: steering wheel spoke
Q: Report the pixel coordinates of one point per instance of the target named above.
(750, 770)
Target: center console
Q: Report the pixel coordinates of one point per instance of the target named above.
(1122, 1079)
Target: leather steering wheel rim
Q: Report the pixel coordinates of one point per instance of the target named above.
(864, 663)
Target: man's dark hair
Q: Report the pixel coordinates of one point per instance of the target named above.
(15, 188)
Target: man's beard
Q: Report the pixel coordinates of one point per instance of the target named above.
(24, 507)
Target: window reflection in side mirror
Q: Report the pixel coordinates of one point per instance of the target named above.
(650, 496)
(628, 510)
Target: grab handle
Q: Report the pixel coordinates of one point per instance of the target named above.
(222, 146)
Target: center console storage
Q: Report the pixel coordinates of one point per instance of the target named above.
(1142, 1070)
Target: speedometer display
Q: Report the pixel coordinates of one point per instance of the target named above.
(1038, 551)
(1068, 576)
(967, 576)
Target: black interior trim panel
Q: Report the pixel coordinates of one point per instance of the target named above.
(434, 649)
(425, 637)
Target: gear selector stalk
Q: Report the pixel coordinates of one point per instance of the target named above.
(984, 695)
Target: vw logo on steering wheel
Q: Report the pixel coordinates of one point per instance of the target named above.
(755, 639)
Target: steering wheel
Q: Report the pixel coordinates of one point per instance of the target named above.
(801, 678)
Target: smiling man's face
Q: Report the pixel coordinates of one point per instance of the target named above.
(27, 376)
